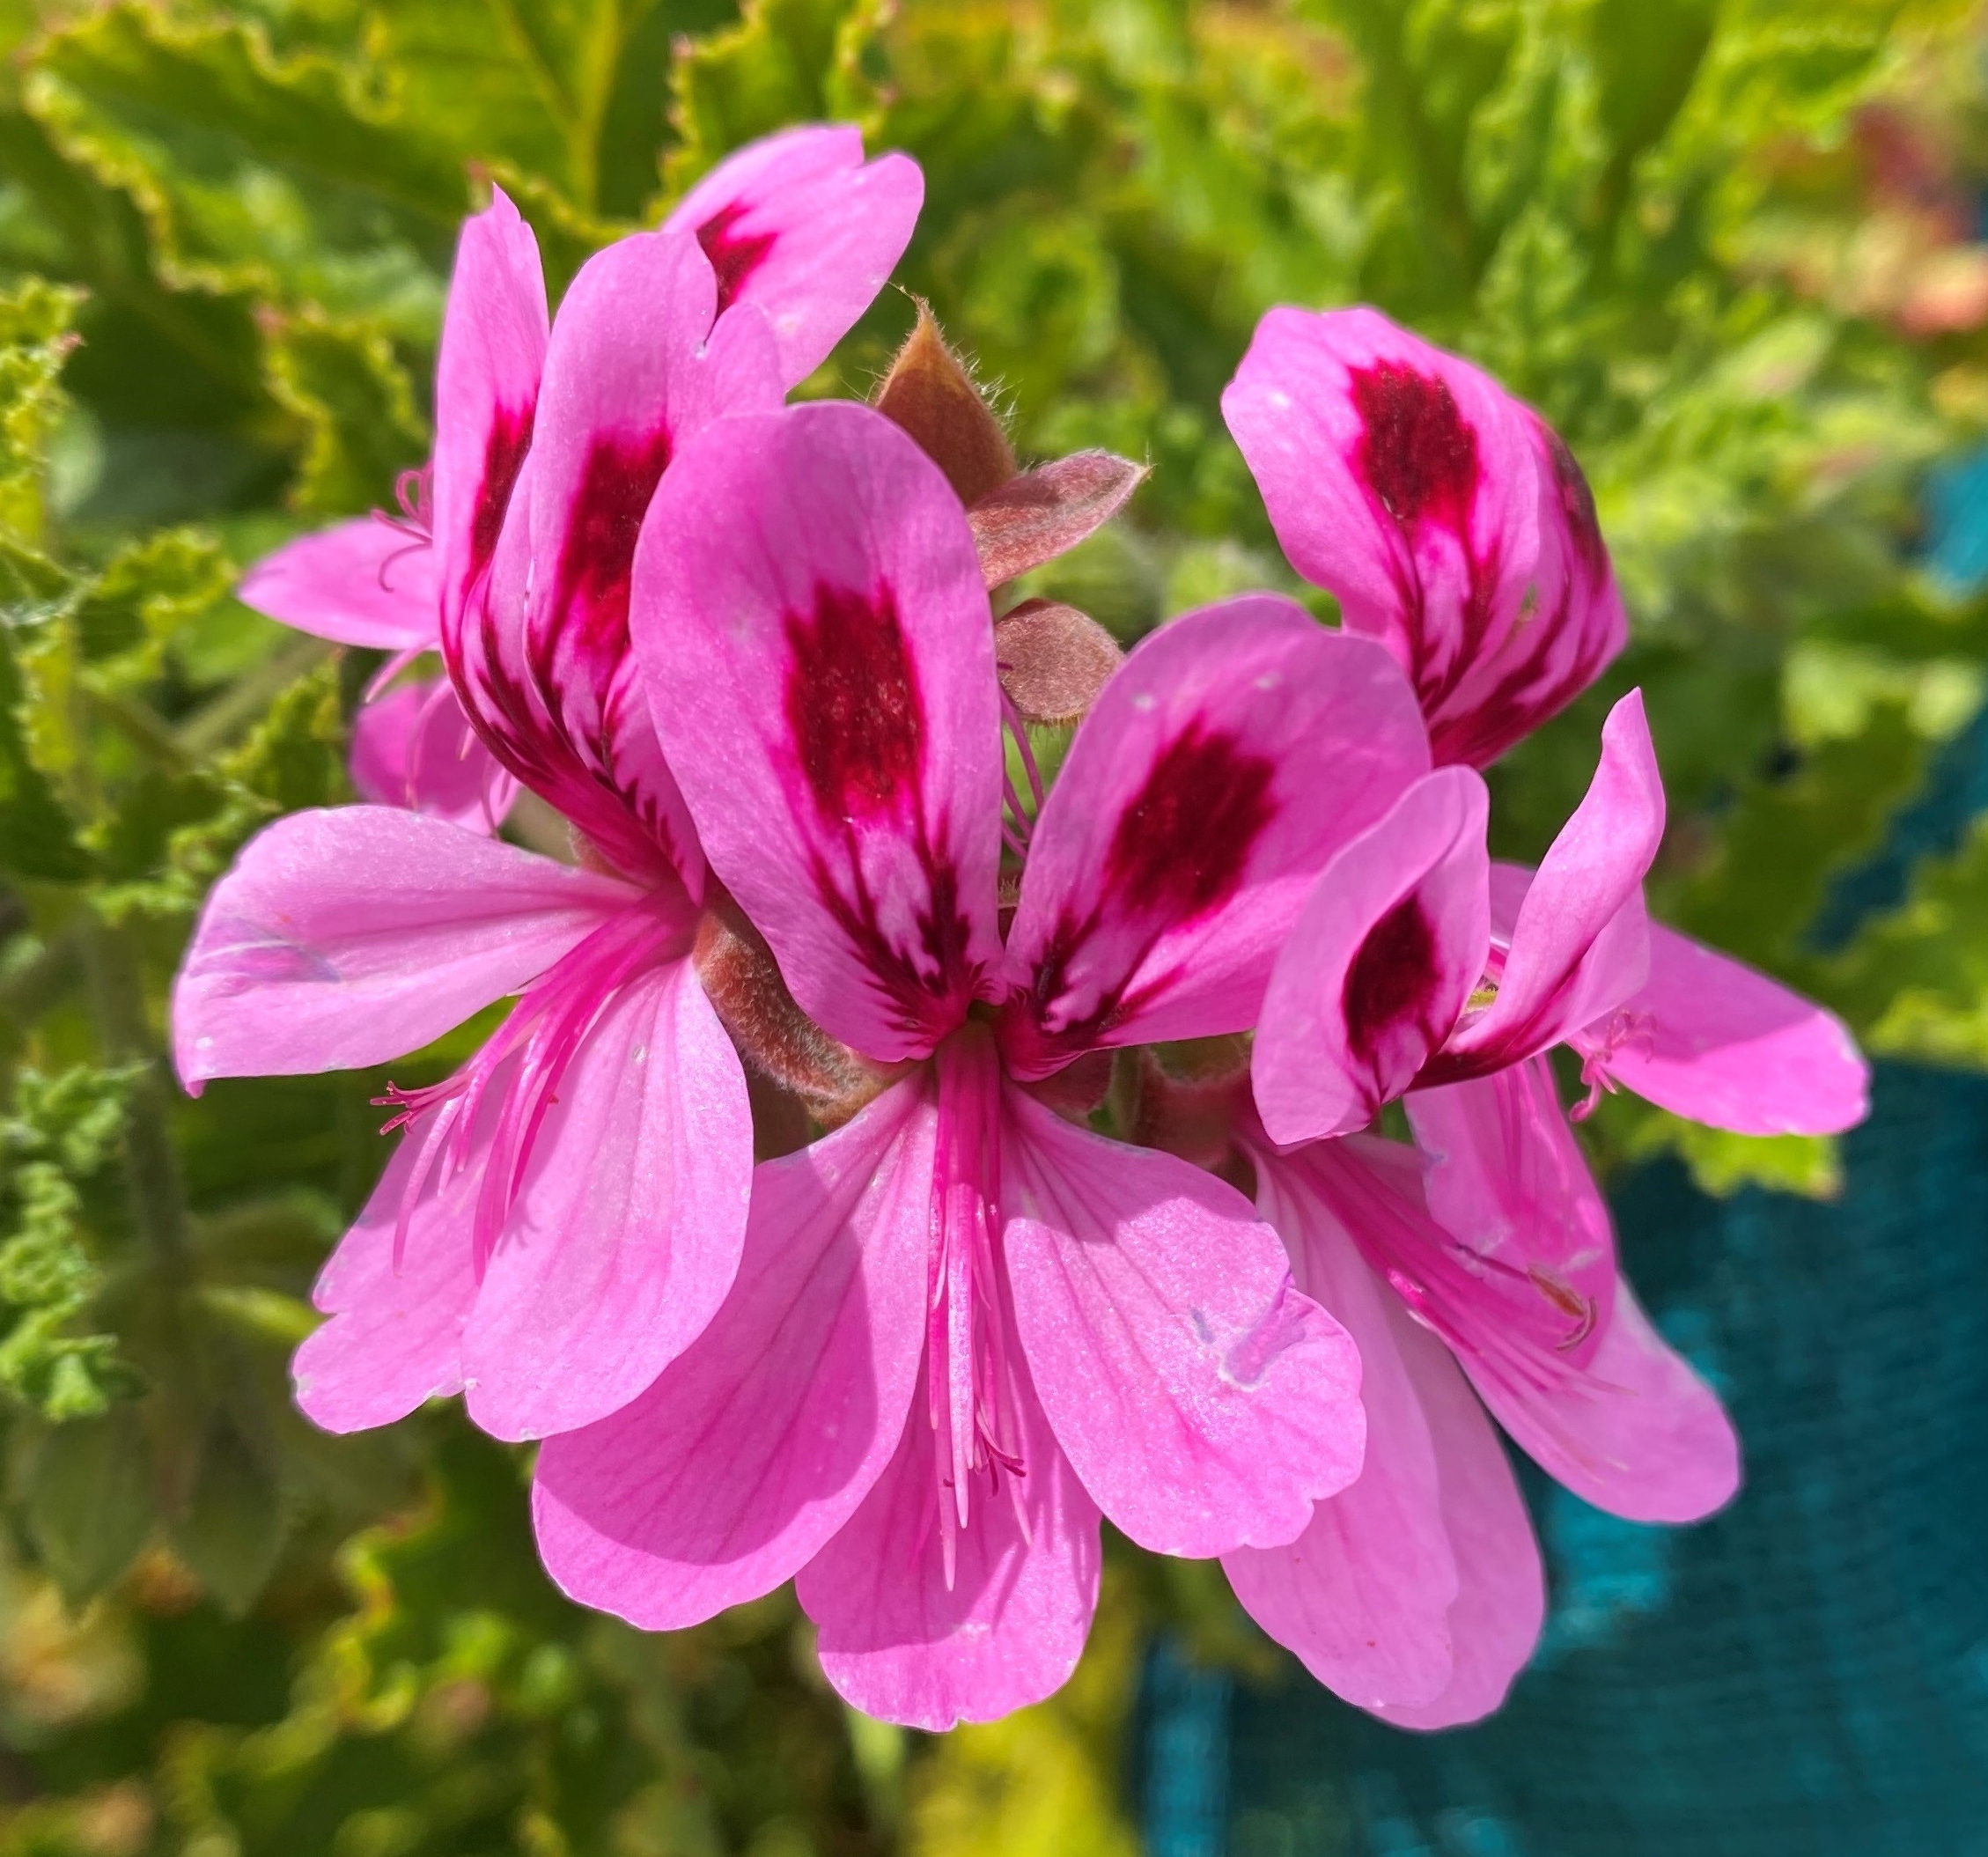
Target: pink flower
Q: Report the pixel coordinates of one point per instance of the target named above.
(1450, 519)
(562, 1216)
(1420, 965)
(963, 1326)
(797, 227)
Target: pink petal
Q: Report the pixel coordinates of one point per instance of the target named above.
(394, 1337)
(1399, 477)
(799, 227)
(342, 938)
(627, 1233)
(414, 747)
(1364, 1595)
(1711, 1039)
(1501, 1588)
(756, 1444)
(362, 583)
(1392, 938)
(486, 394)
(1580, 946)
(1204, 1402)
(1575, 628)
(1505, 1180)
(630, 380)
(901, 1641)
(1232, 754)
(816, 642)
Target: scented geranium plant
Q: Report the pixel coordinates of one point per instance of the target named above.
(1007, 1279)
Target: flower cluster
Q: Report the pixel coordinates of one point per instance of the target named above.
(1068, 1204)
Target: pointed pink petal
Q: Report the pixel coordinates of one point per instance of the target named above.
(1501, 1587)
(902, 1642)
(1392, 938)
(1234, 752)
(799, 227)
(626, 1235)
(818, 652)
(630, 380)
(1364, 1595)
(756, 1444)
(342, 938)
(362, 583)
(394, 1337)
(1711, 1039)
(1580, 946)
(1203, 1400)
(486, 394)
(414, 747)
(1505, 1178)
(1401, 478)
(1575, 628)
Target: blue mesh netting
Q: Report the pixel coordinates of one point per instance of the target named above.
(1808, 1673)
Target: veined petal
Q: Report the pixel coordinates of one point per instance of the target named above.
(1500, 1604)
(798, 226)
(486, 394)
(1364, 1595)
(1401, 478)
(414, 747)
(1374, 977)
(1710, 1038)
(1204, 1402)
(817, 644)
(397, 1309)
(756, 1444)
(906, 1639)
(341, 937)
(1505, 1178)
(1581, 945)
(626, 1235)
(1233, 753)
(363, 583)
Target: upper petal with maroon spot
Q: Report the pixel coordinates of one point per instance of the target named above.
(966, 1327)
(1446, 517)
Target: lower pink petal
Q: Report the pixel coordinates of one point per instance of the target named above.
(1501, 1588)
(627, 1233)
(755, 1445)
(1710, 1039)
(1364, 1595)
(902, 1641)
(395, 1338)
(1205, 1402)
(1636, 1433)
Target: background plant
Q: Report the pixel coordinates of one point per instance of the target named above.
(1723, 244)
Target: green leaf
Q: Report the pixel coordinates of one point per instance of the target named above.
(343, 381)
(233, 1529)
(90, 1501)
(37, 332)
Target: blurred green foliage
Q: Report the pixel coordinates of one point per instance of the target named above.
(1726, 245)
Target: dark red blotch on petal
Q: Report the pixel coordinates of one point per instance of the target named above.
(598, 556)
(505, 446)
(1418, 454)
(1576, 504)
(853, 704)
(1182, 846)
(1392, 977)
(735, 256)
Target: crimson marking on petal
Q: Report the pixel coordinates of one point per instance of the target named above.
(597, 558)
(1391, 979)
(735, 256)
(509, 438)
(852, 704)
(1418, 452)
(1577, 505)
(1180, 847)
